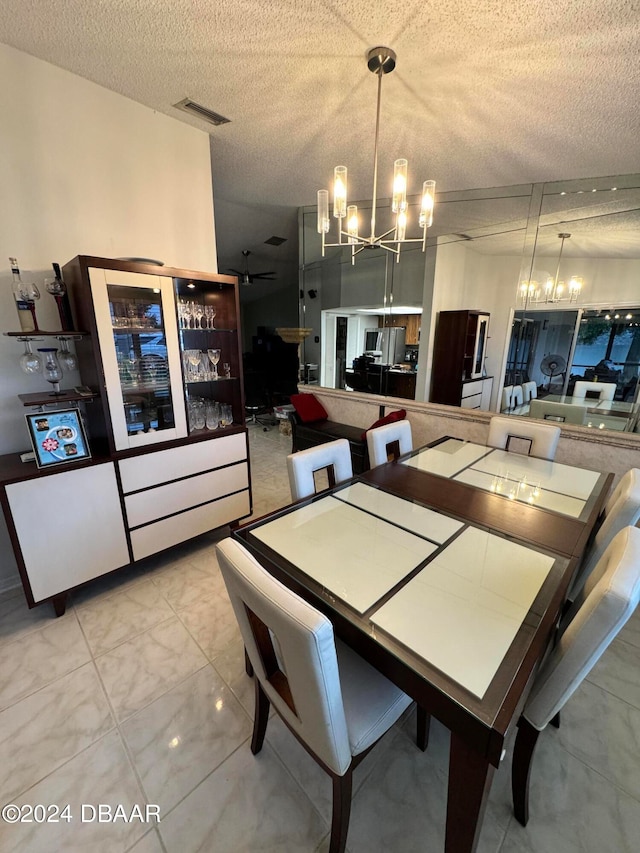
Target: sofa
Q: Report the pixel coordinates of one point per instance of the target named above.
(306, 435)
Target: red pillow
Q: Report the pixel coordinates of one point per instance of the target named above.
(308, 408)
(391, 418)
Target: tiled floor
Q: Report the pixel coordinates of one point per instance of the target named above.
(138, 696)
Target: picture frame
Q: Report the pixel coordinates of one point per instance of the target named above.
(58, 437)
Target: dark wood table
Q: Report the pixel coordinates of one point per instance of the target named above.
(478, 723)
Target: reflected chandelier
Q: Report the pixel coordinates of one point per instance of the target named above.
(380, 61)
(555, 290)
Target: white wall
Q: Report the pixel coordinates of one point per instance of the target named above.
(86, 171)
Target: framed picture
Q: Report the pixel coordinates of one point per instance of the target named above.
(58, 437)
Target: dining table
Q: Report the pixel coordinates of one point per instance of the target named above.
(447, 570)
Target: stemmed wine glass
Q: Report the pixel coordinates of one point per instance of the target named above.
(214, 358)
(51, 369)
(193, 357)
(67, 359)
(198, 312)
(210, 316)
(30, 361)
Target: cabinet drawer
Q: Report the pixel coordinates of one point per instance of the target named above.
(150, 504)
(163, 534)
(473, 402)
(471, 388)
(151, 469)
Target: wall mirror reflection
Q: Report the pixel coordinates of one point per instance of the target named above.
(497, 252)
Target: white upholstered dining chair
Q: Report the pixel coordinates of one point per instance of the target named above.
(389, 442)
(605, 390)
(335, 456)
(622, 509)
(530, 391)
(335, 703)
(543, 438)
(607, 600)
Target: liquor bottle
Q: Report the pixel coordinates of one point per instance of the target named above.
(20, 292)
(58, 289)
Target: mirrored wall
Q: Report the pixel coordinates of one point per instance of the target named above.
(372, 325)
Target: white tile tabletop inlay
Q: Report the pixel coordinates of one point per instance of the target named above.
(418, 519)
(353, 554)
(448, 458)
(463, 610)
(525, 491)
(564, 479)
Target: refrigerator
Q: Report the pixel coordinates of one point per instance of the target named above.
(386, 345)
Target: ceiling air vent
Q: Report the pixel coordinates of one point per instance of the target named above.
(275, 241)
(189, 106)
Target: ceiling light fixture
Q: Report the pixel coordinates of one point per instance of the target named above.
(555, 289)
(380, 61)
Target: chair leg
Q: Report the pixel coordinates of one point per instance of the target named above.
(521, 769)
(260, 720)
(342, 786)
(248, 667)
(424, 722)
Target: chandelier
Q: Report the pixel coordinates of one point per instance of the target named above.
(555, 289)
(380, 61)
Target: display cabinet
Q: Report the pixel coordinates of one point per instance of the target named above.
(459, 353)
(162, 361)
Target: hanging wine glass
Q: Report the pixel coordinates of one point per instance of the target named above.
(30, 361)
(51, 368)
(67, 359)
(214, 358)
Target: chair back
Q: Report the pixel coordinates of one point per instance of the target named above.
(564, 413)
(517, 396)
(292, 650)
(333, 455)
(543, 437)
(388, 442)
(507, 402)
(605, 390)
(621, 510)
(606, 602)
(530, 391)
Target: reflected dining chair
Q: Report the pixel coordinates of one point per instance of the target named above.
(507, 398)
(335, 456)
(388, 442)
(604, 605)
(530, 391)
(543, 438)
(621, 510)
(604, 390)
(335, 703)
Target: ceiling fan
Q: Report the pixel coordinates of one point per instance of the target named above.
(248, 278)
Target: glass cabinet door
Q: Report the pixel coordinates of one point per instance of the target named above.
(208, 333)
(137, 330)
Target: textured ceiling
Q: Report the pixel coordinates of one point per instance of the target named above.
(485, 92)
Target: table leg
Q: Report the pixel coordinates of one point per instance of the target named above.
(470, 777)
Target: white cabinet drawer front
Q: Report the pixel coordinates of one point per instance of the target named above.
(163, 534)
(151, 469)
(471, 388)
(174, 497)
(63, 548)
(471, 402)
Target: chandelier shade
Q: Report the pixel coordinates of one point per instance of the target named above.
(380, 61)
(554, 289)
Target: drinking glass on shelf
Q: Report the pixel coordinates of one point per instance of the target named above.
(30, 361)
(226, 415)
(227, 370)
(210, 315)
(50, 368)
(67, 359)
(212, 414)
(198, 314)
(193, 357)
(214, 357)
(197, 415)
